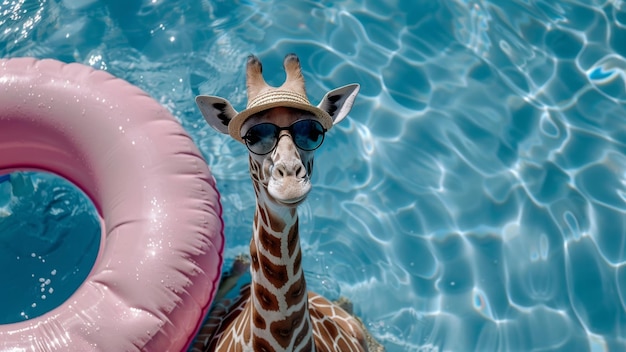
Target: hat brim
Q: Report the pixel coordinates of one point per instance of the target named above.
(234, 126)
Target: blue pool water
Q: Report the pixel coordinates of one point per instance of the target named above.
(475, 199)
(49, 239)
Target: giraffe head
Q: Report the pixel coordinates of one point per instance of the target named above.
(280, 128)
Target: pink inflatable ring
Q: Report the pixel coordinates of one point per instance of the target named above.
(160, 256)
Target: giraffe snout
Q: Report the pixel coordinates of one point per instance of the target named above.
(289, 179)
(289, 183)
(294, 169)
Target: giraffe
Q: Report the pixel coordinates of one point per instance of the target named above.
(275, 312)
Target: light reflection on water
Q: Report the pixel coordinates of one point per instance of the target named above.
(475, 198)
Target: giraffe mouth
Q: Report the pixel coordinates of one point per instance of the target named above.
(289, 192)
(293, 201)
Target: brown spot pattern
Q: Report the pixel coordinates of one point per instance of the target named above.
(263, 216)
(270, 242)
(266, 299)
(334, 328)
(282, 330)
(254, 257)
(275, 274)
(297, 262)
(261, 345)
(223, 319)
(295, 293)
(259, 322)
(302, 335)
(292, 239)
(330, 327)
(276, 223)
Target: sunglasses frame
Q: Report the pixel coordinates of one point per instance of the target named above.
(277, 136)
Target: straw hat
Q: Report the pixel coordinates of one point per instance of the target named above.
(262, 97)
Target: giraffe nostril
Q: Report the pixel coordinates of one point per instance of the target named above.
(279, 171)
(300, 171)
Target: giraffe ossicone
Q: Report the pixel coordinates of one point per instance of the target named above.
(281, 130)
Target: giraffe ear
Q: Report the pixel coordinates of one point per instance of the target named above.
(338, 102)
(216, 111)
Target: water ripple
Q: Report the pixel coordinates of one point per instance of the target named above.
(480, 175)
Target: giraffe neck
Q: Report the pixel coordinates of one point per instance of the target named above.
(280, 318)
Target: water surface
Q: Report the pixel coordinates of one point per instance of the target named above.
(474, 199)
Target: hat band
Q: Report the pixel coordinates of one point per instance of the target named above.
(277, 96)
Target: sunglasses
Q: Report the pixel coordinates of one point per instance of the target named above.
(261, 139)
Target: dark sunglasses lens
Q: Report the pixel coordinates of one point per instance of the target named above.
(261, 138)
(307, 134)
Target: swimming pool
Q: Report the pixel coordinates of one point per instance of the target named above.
(475, 198)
